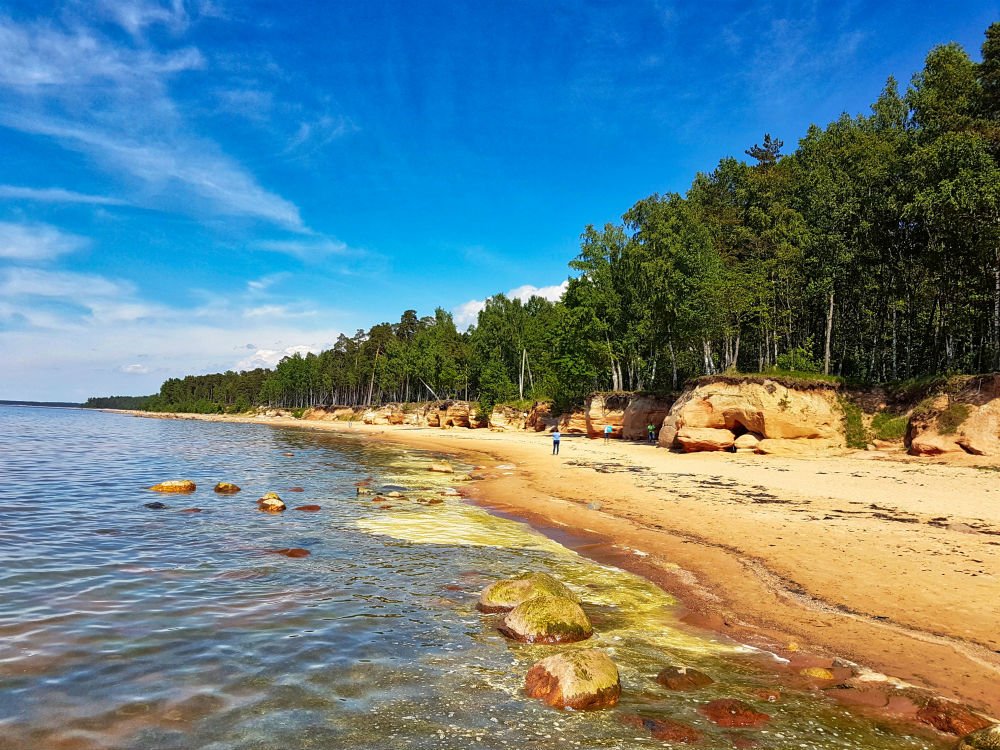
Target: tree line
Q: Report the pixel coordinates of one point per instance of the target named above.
(870, 252)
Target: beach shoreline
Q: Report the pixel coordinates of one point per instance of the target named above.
(890, 564)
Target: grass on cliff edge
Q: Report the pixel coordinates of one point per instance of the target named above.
(787, 378)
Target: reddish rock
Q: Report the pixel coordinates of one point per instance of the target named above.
(952, 718)
(769, 695)
(290, 552)
(296, 489)
(309, 508)
(729, 712)
(580, 679)
(191, 510)
(663, 729)
(683, 678)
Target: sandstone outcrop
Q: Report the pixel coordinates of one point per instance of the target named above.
(175, 485)
(604, 409)
(503, 596)
(642, 411)
(747, 442)
(507, 418)
(733, 407)
(950, 717)
(981, 739)
(965, 422)
(547, 619)
(577, 679)
(271, 503)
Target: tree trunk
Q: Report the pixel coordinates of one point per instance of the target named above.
(829, 335)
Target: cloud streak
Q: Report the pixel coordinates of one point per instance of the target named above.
(56, 195)
(36, 242)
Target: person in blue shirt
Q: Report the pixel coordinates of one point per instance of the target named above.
(607, 433)
(556, 435)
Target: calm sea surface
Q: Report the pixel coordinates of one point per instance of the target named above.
(127, 627)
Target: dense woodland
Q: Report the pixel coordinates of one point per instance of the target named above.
(869, 252)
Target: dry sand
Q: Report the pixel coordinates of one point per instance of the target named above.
(889, 562)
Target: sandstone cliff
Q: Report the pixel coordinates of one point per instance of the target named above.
(965, 420)
(713, 414)
(642, 411)
(605, 409)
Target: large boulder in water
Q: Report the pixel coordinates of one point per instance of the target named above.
(226, 488)
(503, 596)
(585, 678)
(982, 739)
(175, 485)
(547, 619)
(271, 503)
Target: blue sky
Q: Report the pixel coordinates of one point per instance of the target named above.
(191, 186)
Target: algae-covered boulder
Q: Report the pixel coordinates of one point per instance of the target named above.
(175, 485)
(271, 503)
(982, 739)
(547, 619)
(503, 596)
(585, 678)
(226, 488)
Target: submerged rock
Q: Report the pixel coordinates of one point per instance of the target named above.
(309, 508)
(290, 552)
(226, 488)
(271, 503)
(362, 490)
(175, 485)
(441, 467)
(953, 718)
(157, 505)
(585, 678)
(547, 619)
(729, 712)
(663, 729)
(504, 595)
(683, 678)
(982, 739)
(817, 673)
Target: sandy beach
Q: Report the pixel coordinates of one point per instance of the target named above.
(891, 563)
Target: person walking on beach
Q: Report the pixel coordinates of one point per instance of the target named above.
(607, 433)
(556, 435)
(651, 433)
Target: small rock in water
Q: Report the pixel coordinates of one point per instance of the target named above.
(394, 493)
(288, 455)
(226, 488)
(271, 503)
(156, 505)
(364, 490)
(729, 712)
(663, 729)
(296, 489)
(191, 510)
(579, 679)
(175, 485)
(434, 501)
(987, 738)
(441, 467)
(683, 678)
(309, 508)
(290, 552)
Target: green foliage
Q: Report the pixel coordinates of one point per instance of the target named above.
(954, 415)
(854, 424)
(887, 426)
(138, 403)
(298, 413)
(798, 359)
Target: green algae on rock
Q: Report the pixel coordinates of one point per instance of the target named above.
(547, 619)
(227, 488)
(981, 739)
(271, 503)
(683, 678)
(578, 679)
(175, 485)
(504, 595)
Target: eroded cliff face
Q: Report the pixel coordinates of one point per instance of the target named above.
(604, 409)
(641, 412)
(967, 421)
(779, 419)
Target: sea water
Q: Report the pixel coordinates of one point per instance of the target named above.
(123, 626)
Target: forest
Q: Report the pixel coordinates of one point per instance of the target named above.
(870, 253)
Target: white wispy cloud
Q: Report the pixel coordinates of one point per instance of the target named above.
(57, 195)
(271, 357)
(136, 369)
(36, 242)
(274, 312)
(307, 248)
(111, 101)
(467, 313)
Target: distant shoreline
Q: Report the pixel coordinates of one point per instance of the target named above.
(883, 582)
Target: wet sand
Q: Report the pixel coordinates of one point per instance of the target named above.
(888, 562)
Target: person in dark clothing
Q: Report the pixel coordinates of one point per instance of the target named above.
(556, 435)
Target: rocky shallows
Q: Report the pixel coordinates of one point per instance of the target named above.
(577, 679)
(227, 488)
(271, 503)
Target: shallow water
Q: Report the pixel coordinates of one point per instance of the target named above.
(126, 627)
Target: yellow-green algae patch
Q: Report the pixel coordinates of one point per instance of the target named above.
(508, 593)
